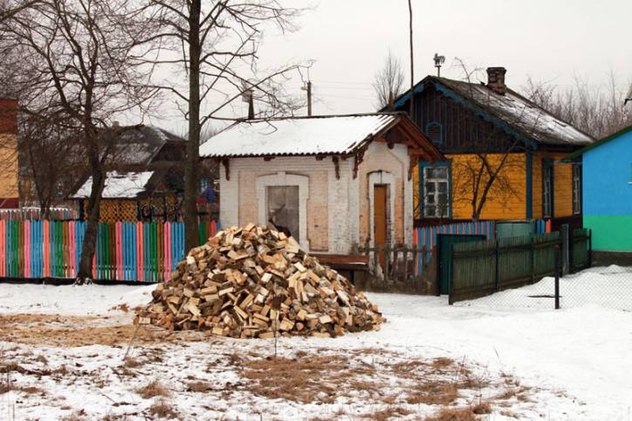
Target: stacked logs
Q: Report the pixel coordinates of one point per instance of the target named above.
(255, 282)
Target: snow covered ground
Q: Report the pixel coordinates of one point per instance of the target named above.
(62, 354)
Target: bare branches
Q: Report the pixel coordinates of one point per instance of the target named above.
(215, 44)
(389, 81)
(596, 110)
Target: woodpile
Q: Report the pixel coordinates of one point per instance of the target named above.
(255, 282)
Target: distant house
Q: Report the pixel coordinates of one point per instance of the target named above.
(487, 129)
(144, 181)
(607, 194)
(9, 197)
(331, 181)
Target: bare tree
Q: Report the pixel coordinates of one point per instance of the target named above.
(77, 61)
(389, 81)
(216, 43)
(486, 173)
(51, 160)
(598, 111)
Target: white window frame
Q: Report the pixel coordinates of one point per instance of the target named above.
(440, 211)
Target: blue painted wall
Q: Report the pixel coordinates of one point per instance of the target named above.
(607, 178)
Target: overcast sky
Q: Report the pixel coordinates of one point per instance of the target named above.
(548, 40)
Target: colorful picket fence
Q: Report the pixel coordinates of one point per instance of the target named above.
(125, 251)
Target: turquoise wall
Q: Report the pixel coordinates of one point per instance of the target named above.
(607, 193)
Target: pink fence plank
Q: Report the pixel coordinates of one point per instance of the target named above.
(140, 257)
(27, 248)
(3, 248)
(46, 242)
(118, 230)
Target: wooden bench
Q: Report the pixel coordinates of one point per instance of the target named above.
(344, 263)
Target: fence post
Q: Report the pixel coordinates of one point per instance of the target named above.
(565, 232)
(590, 248)
(557, 277)
(450, 278)
(387, 266)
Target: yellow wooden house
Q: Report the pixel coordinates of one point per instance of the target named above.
(503, 154)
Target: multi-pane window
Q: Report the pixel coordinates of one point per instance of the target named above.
(436, 192)
(547, 191)
(577, 189)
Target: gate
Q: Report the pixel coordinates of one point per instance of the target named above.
(444, 257)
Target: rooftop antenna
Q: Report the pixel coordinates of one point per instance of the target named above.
(438, 60)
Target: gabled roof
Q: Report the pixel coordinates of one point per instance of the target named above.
(512, 109)
(600, 142)
(126, 185)
(138, 145)
(299, 136)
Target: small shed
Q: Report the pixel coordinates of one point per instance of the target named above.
(331, 181)
(606, 169)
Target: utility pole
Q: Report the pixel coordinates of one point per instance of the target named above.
(412, 68)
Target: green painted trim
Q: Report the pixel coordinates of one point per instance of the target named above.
(600, 142)
(610, 232)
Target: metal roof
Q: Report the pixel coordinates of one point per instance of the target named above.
(127, 185)
(323, 135)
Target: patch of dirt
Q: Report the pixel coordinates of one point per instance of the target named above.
(74, 331)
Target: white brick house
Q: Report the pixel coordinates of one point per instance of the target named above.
(332, 181)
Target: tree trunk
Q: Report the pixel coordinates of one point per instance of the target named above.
(89, 240)
(191, 171)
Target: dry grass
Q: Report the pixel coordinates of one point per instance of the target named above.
(75, 416)
(390, 412)
(453, 414)
(41, 358)
(313, 378)
(482, 408)
(162, 409)
(153, 389)
(199, 387)
(438, 392)
(132, 363)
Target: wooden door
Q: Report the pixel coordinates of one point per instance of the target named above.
(380, 223)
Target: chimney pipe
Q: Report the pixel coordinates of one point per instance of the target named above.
(496, 80)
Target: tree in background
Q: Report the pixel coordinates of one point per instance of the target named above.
(389, 82)
(215, 44)
(597, 111)
(77, 62)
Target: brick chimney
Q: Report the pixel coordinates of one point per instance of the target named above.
(496, 80)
